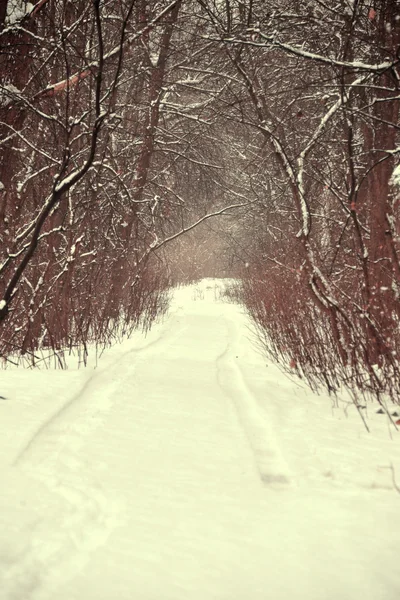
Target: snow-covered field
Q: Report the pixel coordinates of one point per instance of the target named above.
(185, 467)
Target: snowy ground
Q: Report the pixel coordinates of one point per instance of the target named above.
(185, 467)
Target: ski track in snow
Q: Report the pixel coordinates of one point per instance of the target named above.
(269, 461)
(94, 408)
(85, 512)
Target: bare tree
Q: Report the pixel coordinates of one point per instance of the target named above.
(99, 162)
(323, 93)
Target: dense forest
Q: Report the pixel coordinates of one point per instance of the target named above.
(145, 144)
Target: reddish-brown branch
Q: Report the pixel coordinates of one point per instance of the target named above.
(66, 84)
(38, 6)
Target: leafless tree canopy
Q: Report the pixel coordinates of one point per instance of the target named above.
(144, 143)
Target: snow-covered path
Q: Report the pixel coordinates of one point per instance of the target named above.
(185, 469)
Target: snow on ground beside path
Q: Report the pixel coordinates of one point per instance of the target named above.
(187, 467)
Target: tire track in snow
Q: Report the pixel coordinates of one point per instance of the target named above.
(94, 379)
(271, 466)
(77, 514)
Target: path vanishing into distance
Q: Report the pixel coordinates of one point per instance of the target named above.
(186, 466)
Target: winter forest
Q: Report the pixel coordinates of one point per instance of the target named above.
(199, 299)
(150, 144)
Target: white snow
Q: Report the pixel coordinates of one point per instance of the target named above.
(187, 467)
(396, 176)
(17, 10)
(8, 93)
